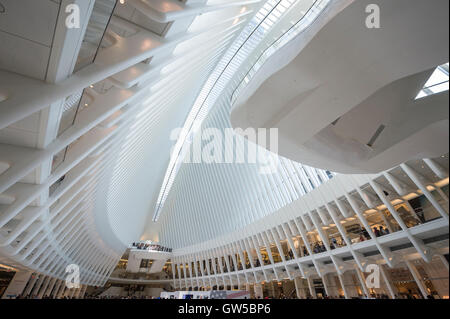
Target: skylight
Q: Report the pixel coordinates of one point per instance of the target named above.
(438, 82)
(267, 16)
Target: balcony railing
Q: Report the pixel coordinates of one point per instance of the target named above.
(150, 247)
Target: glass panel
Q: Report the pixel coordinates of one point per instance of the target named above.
(98, 22)
(438, 82)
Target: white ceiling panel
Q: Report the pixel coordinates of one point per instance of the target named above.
(36, 23)
(18, 137)
(23, 56)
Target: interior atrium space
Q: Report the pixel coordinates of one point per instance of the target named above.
(224, 149)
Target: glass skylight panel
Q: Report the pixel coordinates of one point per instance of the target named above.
(250, 39)
(313, 12)
(438, 82)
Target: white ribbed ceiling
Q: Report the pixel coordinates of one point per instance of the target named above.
(213, 198)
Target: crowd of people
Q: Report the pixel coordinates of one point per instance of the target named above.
(409, 295)
(148, 246)
(319, 247)
(62, 297)
(120, 297)
(378, 231)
